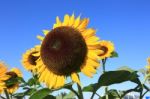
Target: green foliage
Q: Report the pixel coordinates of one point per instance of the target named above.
(114, 54)
(13, 81)
(41, 94)
(90, 88)
(28, 92)
(49, 97)
(114, 77)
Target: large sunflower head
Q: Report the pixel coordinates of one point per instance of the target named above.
(107, 47)
(9, 76)
(29, 60)
(65, 50)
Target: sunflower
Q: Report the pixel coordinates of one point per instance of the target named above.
(148, 65)
(67, 49)
(107, 47)
(9, 76)
(29, 60)
(3, 70)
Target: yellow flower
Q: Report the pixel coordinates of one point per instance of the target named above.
(29, 61)
(107, 47)
(13, 73)
(148, 66)
(3, 68)
(70, 47)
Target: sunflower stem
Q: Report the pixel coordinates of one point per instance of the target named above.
(74, 92)
(6, 93)
(80, 91)
(1, 97)
(104, 70)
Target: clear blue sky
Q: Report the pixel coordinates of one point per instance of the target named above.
(125, 22)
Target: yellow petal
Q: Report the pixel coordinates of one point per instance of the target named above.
(53, 80)
(60, 81)
(42, 76)
(92, 39)
(66, 20)
(36, 54)
(40, 38)
(83, 24)
(71, 20)
(77, 22)
(87, 73)
(58, 22)
(88, 33)
(93, 56)
(45, 32)
(93, 63)
(75, 78)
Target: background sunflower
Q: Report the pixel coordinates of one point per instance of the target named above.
(107, 47)
(29, 60)
(8, 77)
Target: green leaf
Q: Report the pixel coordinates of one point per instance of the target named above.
(114, 54)
(68, 86)
(31, 82)
(49, 97)
(90, 88)
(114, 77)
(41, 94)
(126, 68)
(30, 91)
(11, 82)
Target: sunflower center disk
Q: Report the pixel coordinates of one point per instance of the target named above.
(32, 59)
(104, 49)
(63, 50)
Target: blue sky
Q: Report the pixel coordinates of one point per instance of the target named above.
(124, 22)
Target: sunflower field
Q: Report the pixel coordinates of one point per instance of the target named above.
(65, 52)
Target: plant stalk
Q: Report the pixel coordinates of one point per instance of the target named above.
(104, 70)
(6, 93)
(80, 91)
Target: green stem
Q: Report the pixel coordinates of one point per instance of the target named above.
(130, 90)
(144, 93)
(141, 94)
(80, 91)
(74, 92)
(6, 93)
(1, 97)
(104, 70)
(106, 89)
(103, 64)
(97, 94)
(94, 92)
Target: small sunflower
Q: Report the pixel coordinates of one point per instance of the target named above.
(10, 75)
(29, 60)
(3, 70)
(148, 65)
(70, 47)
(107, 47)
